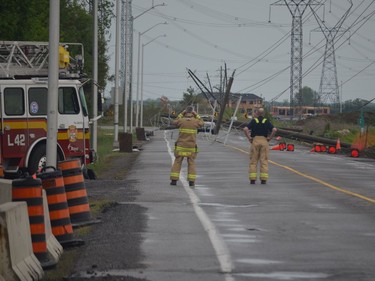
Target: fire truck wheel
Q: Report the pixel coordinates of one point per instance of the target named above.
(91, 174)
(88, 174)
(37, 160)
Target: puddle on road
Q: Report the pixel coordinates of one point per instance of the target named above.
(230, 225)
(225, 214)
(324, 206)
(242, 240)
(236, 235)
(286, 275)
(238, 229)
(225, 220)
(239, 238)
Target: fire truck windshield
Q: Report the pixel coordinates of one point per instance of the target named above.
(83, 101)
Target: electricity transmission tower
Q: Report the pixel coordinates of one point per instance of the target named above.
(329, 88)
(297, 9)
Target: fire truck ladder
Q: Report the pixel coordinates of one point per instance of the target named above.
(28, 59)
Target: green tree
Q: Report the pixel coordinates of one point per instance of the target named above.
(24, 21)
(190, 97)
(151, 110)
(29, 21)
(307, 97)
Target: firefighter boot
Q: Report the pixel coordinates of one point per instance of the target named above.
(252, 181)
(191, 183)
(173, 182)
(263, 181)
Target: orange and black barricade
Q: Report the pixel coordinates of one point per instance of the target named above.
(79, 208)
(29, 190)
(53, 183)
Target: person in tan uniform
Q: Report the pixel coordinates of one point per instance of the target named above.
(259, 132)
(186, 145)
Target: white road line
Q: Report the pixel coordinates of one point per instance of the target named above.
(221, 249)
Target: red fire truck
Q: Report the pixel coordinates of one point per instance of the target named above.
(23, 107)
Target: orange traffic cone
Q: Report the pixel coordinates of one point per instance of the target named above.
(282, 145)
(318, 148)
(290, 147)
(338, 144)
(331, 149)
(276, 147)
(354, 153)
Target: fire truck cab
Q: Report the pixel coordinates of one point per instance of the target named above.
(23, 110)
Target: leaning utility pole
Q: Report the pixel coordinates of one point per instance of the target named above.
(224, 103)
(329, 87)
(297, 9)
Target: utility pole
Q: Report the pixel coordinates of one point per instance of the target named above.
(53, 82)
(138, 73)
(142, 58)
(117, 76)
(127, 58)
(224, 103)
(95, 77)
(329, 87)
(128, 63)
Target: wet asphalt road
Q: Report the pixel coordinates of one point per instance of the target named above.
(314, 220)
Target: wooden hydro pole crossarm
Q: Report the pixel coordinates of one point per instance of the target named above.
(224, 103)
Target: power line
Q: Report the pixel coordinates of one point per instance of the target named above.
(232, 22)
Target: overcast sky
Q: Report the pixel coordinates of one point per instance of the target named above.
(203, 35)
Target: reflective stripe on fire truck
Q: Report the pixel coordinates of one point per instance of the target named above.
(62, 134)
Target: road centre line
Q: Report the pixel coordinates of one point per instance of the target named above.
(348, 192)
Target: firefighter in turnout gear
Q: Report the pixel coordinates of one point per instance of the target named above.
(186, 145)
(259, 132)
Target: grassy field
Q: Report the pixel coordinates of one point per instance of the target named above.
(105, 149)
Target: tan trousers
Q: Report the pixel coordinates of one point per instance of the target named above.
(176, 167)
(259, 150)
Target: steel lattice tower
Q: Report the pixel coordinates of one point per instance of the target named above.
(329, 87)
(297, 9)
